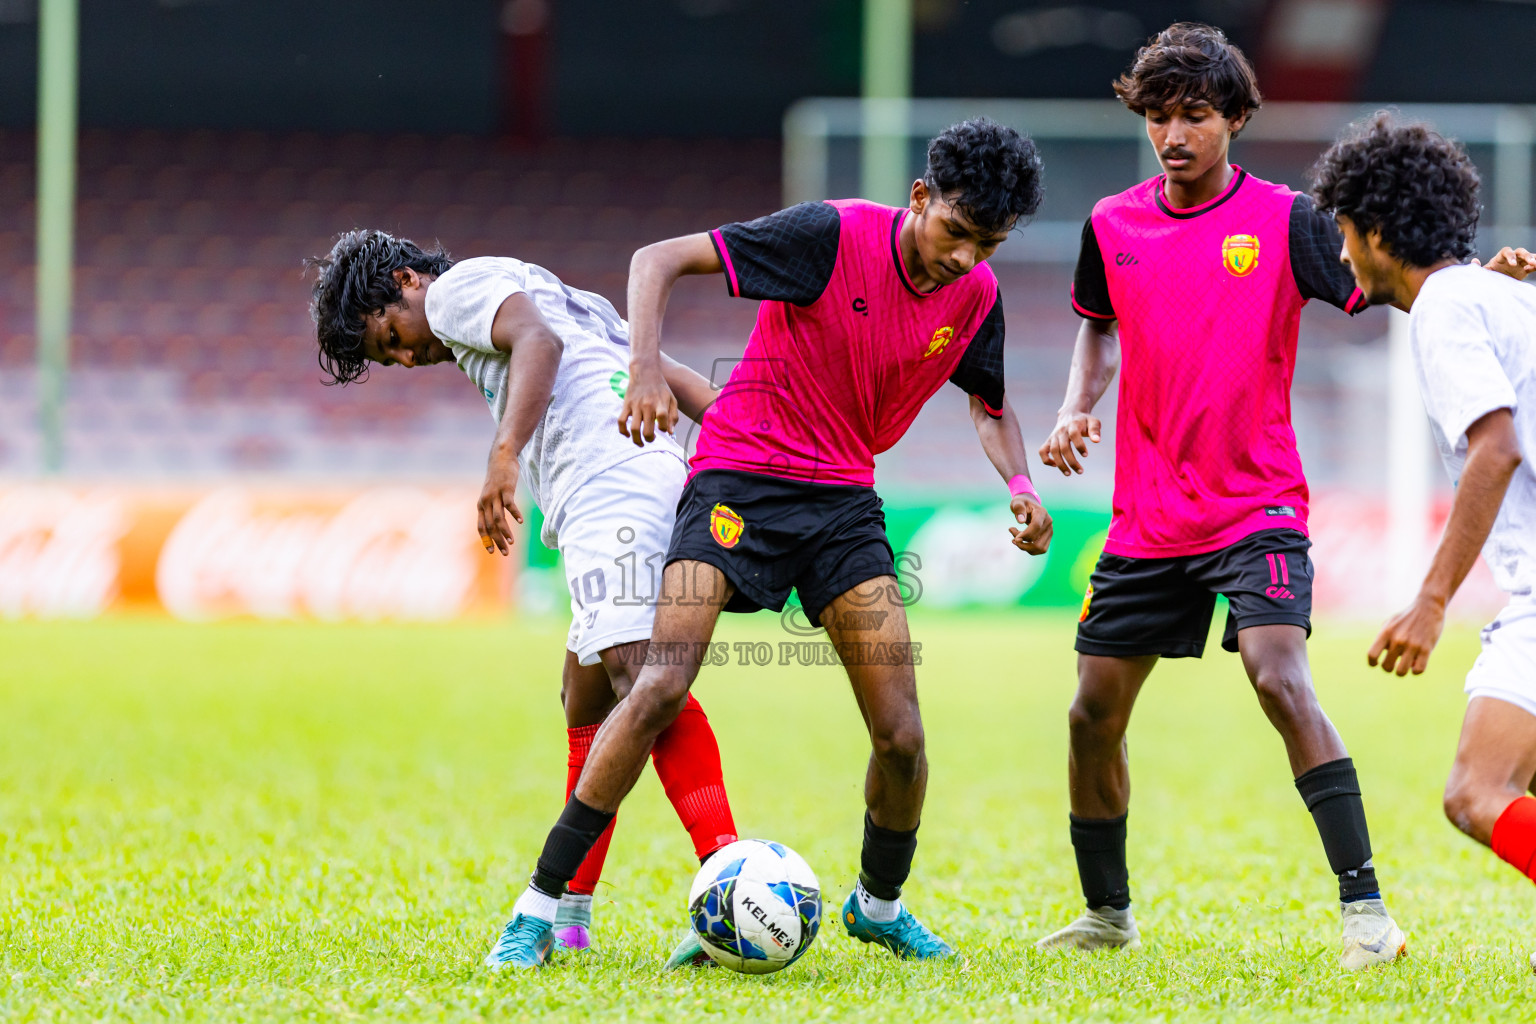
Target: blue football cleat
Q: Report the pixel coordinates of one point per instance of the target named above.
(526, 942)
(906, 936)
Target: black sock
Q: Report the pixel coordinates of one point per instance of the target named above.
(1332, 794)
(1100, 847)
(569, 842)
(887, 859)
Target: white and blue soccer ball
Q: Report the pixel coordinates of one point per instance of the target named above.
(755, 906)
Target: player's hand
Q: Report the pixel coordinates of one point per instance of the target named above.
(1404, 643)
(497, 502)
(1070, 440)
(1515, 263)
(1035, 538)
(649, 405)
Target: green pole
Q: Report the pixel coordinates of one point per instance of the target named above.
(57, 113)
(884, 174)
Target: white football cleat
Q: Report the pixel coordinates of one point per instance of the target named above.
(1098, 928)
(1370, 935)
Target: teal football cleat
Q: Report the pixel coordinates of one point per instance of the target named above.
(689, 953)
(526, 942)
(906, 936)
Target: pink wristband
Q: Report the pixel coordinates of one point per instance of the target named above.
(1020, 485)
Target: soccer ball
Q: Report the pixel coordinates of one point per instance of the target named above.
(755, 906)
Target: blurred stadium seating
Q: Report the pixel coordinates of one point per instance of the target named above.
(193, 354)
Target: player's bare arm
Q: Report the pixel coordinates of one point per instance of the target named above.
(1004, 444)
(1094, 362)
(534, 351)
(692, 389)
(1493, 455)
(648, 404)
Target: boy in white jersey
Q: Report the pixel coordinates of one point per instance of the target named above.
(1406, 199)
(552, 363)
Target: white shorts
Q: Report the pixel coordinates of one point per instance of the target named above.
(613, 533)
(1506, 670)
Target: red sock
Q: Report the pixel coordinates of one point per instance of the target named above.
(1514, 836)
(591, 870)
(688, 761)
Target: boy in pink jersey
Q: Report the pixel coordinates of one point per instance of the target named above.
(1196, 279)
(866, 312)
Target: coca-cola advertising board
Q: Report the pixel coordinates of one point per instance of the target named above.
(402, 553)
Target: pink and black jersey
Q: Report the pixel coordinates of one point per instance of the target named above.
(1208, 301)
(845, 350)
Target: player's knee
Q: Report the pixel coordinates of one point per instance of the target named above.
(1457, 804)
(658, 698)
(898, 746)
(1092, 720)
(1284, 695)
(1466, 801)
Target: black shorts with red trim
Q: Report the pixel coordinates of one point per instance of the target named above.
(1163, 606)
(770, 535)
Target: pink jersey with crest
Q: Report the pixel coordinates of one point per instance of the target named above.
(845, 350)
(1208, 301)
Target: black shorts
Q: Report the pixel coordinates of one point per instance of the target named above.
(770, 535)
(1163, 606)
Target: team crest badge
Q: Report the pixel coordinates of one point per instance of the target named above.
(1240, 254)
(1087, 603)
(725, 526)
(941, 338)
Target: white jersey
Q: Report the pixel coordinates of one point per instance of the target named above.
(1473, 334)
(579, 434)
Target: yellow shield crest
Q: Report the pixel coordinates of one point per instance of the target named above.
(939, 341)
(1240, 254)
(1087, 603)
(725, 526)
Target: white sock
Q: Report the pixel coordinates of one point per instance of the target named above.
(877, 910)
(577, 901)
(536, 904)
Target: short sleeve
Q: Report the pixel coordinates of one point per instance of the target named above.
(1090, 284)
(1315, 245)
(1459, 369)
(461, 305)
(787, 256)
(980, 371)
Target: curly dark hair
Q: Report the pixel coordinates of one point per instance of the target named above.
(988, 171)
(355, 280)
(1407, 180)
(1190, 61)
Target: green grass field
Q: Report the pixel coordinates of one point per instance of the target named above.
(298, 822)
